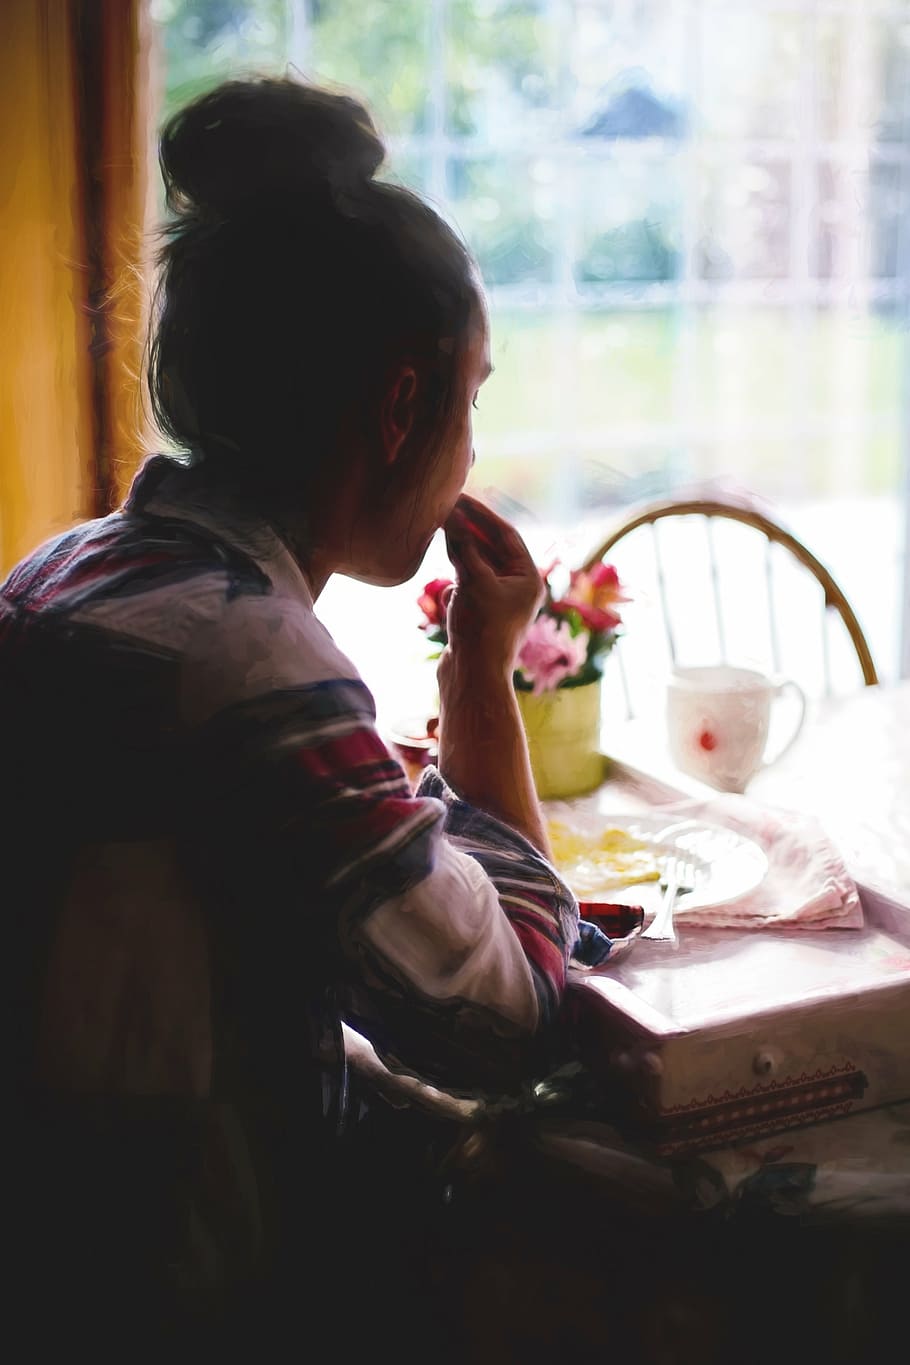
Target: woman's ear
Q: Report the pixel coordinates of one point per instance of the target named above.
(398, 412)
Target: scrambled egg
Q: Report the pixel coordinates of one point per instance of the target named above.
(594, 863)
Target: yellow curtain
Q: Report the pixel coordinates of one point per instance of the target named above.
(112, 58)
(73, 159)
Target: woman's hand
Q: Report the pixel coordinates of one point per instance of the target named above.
(483, 752)
(498, 587)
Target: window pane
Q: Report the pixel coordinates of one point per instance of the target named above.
(500, 70)
(408, 167)
(855, 366)
(831, 46)
(864, 76)
(570, 414)
(524, 396)
(689, 215)
(746, 370)
(380, 51)
(629, 213)
(625, 73)
(891, 79)
(528, 487)
(626, 474)
(841, 188)
(751, 72)
(624, 370)
(745, 219)
(888, 225)
(860, 215)
(204, 41)
(506, 215)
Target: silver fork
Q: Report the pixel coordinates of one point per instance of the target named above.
(678, 879)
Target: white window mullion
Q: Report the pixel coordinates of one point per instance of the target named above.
(299, 35)
(438, 101)
(848, 379)
(904, 622)
(685, 310)
(803, 269)
(903, 279)
(565, 489)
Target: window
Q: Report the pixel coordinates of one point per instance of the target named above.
(691, 217)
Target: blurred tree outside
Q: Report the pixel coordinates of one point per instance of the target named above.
(205, 41)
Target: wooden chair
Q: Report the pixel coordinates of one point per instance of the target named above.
(714, 578)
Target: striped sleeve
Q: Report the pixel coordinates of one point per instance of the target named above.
(468, 967)
(450, 933)
(455, 933)
(303, 770)
(541, 909)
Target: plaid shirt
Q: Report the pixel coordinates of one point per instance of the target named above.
(219, 858)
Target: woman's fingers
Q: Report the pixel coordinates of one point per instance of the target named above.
(465, 553)
(498, 585)
(497, 542)
(496, 536)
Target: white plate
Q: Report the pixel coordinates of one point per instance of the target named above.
(727, 864)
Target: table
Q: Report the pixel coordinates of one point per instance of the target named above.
(851, 769)
(791, 1247)
(568, 1242)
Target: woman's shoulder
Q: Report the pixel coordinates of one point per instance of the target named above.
(122, 558)
(257, 645)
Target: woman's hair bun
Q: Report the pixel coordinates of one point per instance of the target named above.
(266, 137)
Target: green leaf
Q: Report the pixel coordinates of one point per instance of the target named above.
(589, 672)
(576, 624)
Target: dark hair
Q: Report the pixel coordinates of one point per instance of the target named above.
(292, 280)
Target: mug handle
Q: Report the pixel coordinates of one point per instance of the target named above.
(782, 686)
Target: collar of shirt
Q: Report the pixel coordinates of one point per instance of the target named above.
(165, 488)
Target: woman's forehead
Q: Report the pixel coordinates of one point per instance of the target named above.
(478, 348)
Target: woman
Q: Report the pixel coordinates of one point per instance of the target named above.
(228, 865)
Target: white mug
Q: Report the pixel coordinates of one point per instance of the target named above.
(718, 719)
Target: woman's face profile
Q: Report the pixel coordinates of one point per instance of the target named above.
(423, 489)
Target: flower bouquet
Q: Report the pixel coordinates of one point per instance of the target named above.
(558, 670)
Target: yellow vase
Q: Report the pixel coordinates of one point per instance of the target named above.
(563, 730)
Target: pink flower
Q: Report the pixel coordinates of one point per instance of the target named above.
(432, 603)
(594, 595)
(550, 653)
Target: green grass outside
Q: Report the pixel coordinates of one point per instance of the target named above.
(814, 405)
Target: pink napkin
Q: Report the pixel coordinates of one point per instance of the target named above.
(807, 885)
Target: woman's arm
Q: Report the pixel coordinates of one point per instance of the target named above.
(454, 930)
(483, 752)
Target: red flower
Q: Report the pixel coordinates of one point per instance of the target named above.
(594, 595)
(432, 604)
